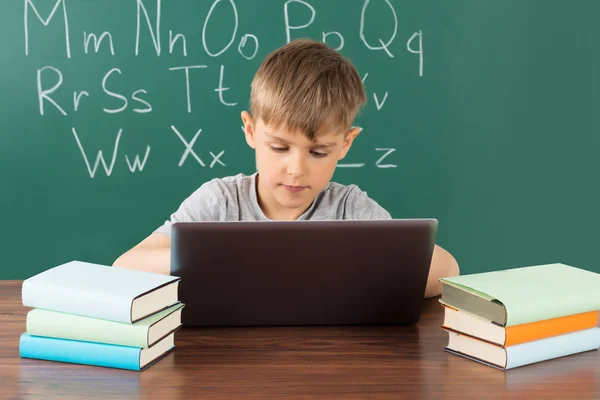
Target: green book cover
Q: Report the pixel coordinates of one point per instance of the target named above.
(535, 293)
(60, 325)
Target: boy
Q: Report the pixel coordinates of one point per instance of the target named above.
(304, 98)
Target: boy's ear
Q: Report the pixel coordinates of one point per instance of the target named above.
(350, 136)
(249, 127)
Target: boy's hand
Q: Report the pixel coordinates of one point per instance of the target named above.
(443, 265)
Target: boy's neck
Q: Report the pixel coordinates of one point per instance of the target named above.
(280, 216)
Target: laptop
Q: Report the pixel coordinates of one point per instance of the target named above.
(283, 273)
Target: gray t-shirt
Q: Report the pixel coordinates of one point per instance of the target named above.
(233, 198)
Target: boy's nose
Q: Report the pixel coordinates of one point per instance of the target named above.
(296, 166)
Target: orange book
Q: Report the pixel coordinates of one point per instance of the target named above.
(471, 325)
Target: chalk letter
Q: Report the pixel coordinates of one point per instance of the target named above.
(155, 37)
(108, 92)
(43, 94)
(136, 161)
(216, 159)
(187, 82)
(420, 51)
(173, 40)
(46, 22)
(235, 15)
(77, 98)
(339, 35)
(387, 153)
(243, 43)
(97, 42)
(221, 89)
(99, 157)
(141, 110)
(188, 146)
(384, 46)
(379, 105)
(288, 27)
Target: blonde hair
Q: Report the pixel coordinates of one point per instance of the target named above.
(307, 87)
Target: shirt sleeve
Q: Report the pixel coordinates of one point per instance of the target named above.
(202, 205)
(360, 206)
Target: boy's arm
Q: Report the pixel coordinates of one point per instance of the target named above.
(442, 265)
(152, 254)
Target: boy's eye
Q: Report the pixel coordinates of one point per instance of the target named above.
(284, 149)
(318, 154)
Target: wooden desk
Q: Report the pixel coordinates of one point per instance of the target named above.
(319, 362)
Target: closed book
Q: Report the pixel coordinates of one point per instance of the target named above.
(525, 353)
(90, 353)
(94, 290)
(472, 325)
(523, 295)
(143, 333)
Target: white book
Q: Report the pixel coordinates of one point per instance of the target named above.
(99, 291)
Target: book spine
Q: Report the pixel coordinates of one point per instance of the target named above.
(554, 347)
(76, 352)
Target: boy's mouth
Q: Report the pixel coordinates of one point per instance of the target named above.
(294, 189)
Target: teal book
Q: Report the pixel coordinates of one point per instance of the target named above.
(524, 295)
(97, 354)
(144, 333)
(525, 353)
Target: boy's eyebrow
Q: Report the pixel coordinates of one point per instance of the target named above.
(319, 145)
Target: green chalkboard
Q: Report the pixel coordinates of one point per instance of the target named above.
(483, 114)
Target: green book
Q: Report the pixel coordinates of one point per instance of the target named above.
(523, 295)
(143, 333)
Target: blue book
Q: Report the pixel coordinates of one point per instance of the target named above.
(91, 353)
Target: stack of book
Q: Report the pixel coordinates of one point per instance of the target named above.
(93, 314)
(520, 316)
